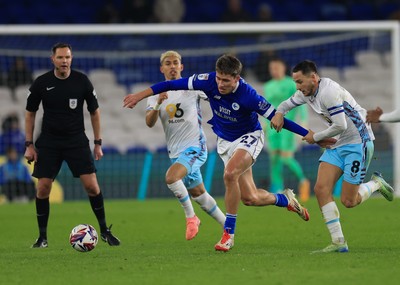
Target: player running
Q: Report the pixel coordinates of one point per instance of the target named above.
(349, 156)
(180, 115)
(235, 106)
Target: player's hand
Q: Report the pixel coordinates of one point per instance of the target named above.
(161, 97)
(327, 143)
(277, 122)
(309, 137)
(131, 100)
(374, 115)
(97, 152)
(30, 154)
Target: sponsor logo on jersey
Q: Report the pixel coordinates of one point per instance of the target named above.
(224, 110)
(73, 103)
(217, 97)
(235, 106)
(49, 88)
(203, 76)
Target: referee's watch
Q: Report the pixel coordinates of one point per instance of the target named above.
(28, 143)
(99, 141)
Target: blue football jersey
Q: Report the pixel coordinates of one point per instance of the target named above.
(234, 114)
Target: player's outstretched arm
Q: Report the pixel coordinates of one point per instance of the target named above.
(131, 100)
(278, 122)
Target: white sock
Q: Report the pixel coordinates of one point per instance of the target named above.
(180, 192)
(366, 189)
(209, 205)
(331, 216)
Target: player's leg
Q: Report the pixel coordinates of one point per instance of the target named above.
(253, 196)
(235, 167)
(173, 178)
(275, 160)
(45, 169)
(294, 166)
(185, 174)
(276, 171)
(357, 162)
(207, 202)
(329, 172)
(288, 148)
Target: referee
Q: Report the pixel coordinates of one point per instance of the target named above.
(62, 92)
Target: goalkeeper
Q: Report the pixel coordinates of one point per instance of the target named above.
(281, 146)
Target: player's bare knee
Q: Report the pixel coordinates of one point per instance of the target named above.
(320, 190)
(349, 203)
(230, 176)
(169, 179)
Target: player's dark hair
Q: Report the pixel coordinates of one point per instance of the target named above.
(228, 64)
(306, 67)
(277, 58)
(60, 45)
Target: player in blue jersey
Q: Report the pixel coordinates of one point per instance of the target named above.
(180, 114)
(349, 156)
(235, 106)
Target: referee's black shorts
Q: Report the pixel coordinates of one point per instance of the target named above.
(80, 161)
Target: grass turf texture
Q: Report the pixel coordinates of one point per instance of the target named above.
(272, 246)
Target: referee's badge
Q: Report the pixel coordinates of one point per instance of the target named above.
(73, 103)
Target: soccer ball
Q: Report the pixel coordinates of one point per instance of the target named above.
(83, 238)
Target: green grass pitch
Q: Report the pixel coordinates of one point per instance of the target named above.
(272, 246)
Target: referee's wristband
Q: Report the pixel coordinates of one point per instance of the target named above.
(157, 107)
(98, 141)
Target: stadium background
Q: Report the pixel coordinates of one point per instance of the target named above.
(135, 159)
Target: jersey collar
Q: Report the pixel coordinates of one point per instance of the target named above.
(237, 86)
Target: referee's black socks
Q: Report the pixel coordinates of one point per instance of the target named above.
(97, 203)
(42, 214)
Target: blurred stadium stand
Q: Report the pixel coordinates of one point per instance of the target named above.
(198, 11)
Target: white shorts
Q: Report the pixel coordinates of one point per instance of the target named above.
(253, 143)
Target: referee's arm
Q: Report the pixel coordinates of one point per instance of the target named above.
(95, 120)
(30, 153)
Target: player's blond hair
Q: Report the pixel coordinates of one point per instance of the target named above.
(170, 53)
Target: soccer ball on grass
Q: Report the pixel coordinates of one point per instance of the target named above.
(83, 238)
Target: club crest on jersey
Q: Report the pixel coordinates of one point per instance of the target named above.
(203, 76)
(73, 103)
(235, 106)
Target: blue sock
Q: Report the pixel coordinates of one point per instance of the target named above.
(230, 223)
(281, 200)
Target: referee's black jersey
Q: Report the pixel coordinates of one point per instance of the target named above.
(62, 101)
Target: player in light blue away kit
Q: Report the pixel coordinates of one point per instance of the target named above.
(236, 106)
(349, 156)
(180, 115)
